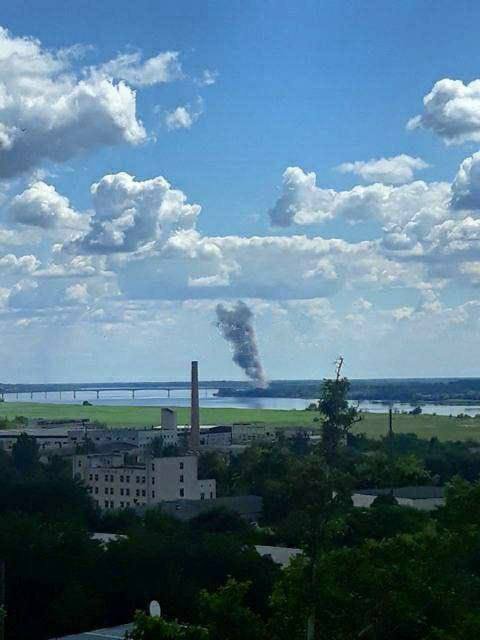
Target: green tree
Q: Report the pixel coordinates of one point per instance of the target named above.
(156, 447)
(462, 505)
(226, 615)
(338, 416)
(25, 455)
(148, 628)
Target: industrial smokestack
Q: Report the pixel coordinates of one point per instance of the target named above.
(237, 328)
(194, 410)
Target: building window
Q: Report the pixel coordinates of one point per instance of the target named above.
(182, 493)
(181, 465)
(202, 496)
(79, 463)
(96, 477)
(127, 492)
(211, 495)
(96, 489)
(153, 494)
(106, 504)
(137, 479)
(137, 493)
(153, 479)
(90, 477)
(111, 504)
(143, 479)
(106, 478)
(121, 504)
(111, 491)
(127, 478)
(153, 467)
(106, 491)
(121, 491)
(121, 478)
(111, 478)
(144, 493)
(181, 478)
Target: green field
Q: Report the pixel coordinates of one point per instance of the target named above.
(373, 424)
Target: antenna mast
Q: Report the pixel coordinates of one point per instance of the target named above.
(338, 366)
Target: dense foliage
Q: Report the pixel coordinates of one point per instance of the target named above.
(388, 572)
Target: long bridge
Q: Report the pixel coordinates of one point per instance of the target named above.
(98, 389)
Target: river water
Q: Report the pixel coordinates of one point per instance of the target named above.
(181, 398)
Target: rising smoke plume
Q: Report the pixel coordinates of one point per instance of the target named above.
(236, 326)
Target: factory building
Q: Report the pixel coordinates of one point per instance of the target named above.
(53, 439)
(116, 483)
(136, 438)
(247, 433)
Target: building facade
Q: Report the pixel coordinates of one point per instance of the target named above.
(247, 433)
(116, 484)
(47, 439)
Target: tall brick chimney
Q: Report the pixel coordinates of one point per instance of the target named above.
(194, 410)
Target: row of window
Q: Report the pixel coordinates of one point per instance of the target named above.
(110, 478)
(109, 504)
(126, 492)
(138, 479)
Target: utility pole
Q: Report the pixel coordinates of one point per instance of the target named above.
(2, 600)
(390, 446)
(339, 365)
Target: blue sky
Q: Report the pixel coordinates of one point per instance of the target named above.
(386, 268)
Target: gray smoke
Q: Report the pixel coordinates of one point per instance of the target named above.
(236, 326)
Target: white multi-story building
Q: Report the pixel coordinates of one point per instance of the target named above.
(114, 484)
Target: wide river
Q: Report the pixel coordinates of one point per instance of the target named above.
(181, 398)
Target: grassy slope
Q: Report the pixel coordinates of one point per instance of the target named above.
(374, 425)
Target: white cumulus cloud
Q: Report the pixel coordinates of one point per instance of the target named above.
(466, 186)
(207, 78)
(164, 67)
(183, 117)
(396, 170)
(41, 206)
(129, 214)
(10, 263)
(303, 203)
(77, 293)
(48, 113)
(452, 111)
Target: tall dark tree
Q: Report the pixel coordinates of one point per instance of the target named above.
(226, 614)
(25, 455)
(338, 416)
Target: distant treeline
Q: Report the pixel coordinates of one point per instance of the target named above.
(414, 391)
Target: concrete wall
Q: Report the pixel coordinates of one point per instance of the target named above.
(115, 485)
(46, 440)
(248, 433)
(169, 419)
(135, 437)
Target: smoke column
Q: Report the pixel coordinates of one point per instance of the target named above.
(236, 326)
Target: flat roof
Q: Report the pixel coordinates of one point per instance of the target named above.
(112, 633)
(54, 432)
(412, 493)
(279, 555)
